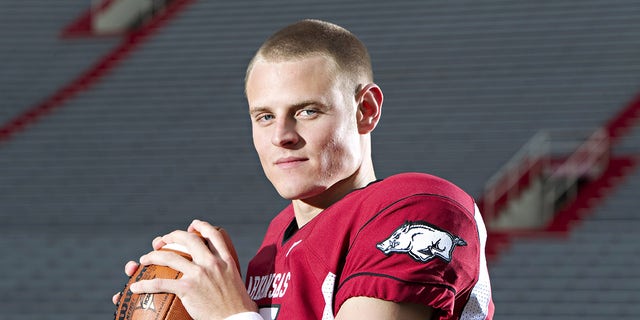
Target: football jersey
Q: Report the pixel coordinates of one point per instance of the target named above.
(408, 238)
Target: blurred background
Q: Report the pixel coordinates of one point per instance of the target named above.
(121, 120)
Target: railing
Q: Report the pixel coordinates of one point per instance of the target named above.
(559, 157)
(506, 183)
(113, 17)
(588, 161)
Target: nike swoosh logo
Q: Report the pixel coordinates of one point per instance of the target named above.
(292, 246)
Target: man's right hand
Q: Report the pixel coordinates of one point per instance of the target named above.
(211, 286)
(130, 268)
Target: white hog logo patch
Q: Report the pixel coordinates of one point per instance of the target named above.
(421, 241)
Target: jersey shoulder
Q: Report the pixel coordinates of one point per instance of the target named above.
(418, 242)
(405, 185)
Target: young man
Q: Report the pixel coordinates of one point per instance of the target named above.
(410, 246)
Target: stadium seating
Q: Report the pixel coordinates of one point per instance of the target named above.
(35, 62)
(164, 137)
(590, 274)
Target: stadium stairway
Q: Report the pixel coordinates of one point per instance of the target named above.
(620, 162)
(584, 264)
(588, 273)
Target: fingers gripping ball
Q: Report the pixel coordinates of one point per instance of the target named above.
(151, 306)
(159, 306)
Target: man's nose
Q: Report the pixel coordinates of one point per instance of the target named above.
(285, 133)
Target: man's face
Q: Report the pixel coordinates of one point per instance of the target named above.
(304, 125)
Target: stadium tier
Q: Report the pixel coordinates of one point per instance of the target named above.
(163, 136)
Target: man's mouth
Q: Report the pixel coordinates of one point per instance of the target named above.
(289, 162)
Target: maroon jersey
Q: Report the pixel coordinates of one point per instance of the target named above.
(408, 238)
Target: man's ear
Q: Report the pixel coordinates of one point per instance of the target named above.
(369, 107)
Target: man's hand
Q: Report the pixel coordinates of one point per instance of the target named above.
(211, 286)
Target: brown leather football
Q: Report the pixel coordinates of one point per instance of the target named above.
(158, 306)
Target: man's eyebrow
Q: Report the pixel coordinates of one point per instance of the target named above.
(304, 103)
(316, 103)
(296, 106)
(254, 110)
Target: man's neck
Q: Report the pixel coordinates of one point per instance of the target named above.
(307, 209)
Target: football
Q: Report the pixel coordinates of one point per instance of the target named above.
(159, 306)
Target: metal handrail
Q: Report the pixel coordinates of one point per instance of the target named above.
(582, 158)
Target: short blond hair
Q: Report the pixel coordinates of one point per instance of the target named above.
(310, 37)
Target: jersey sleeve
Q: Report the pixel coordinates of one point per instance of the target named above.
(422, 249)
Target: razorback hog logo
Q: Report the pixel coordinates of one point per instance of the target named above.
(421, 241)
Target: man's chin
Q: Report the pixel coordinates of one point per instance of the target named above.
(300, 193)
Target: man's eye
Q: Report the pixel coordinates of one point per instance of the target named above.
(307, 112)
(265, 117)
